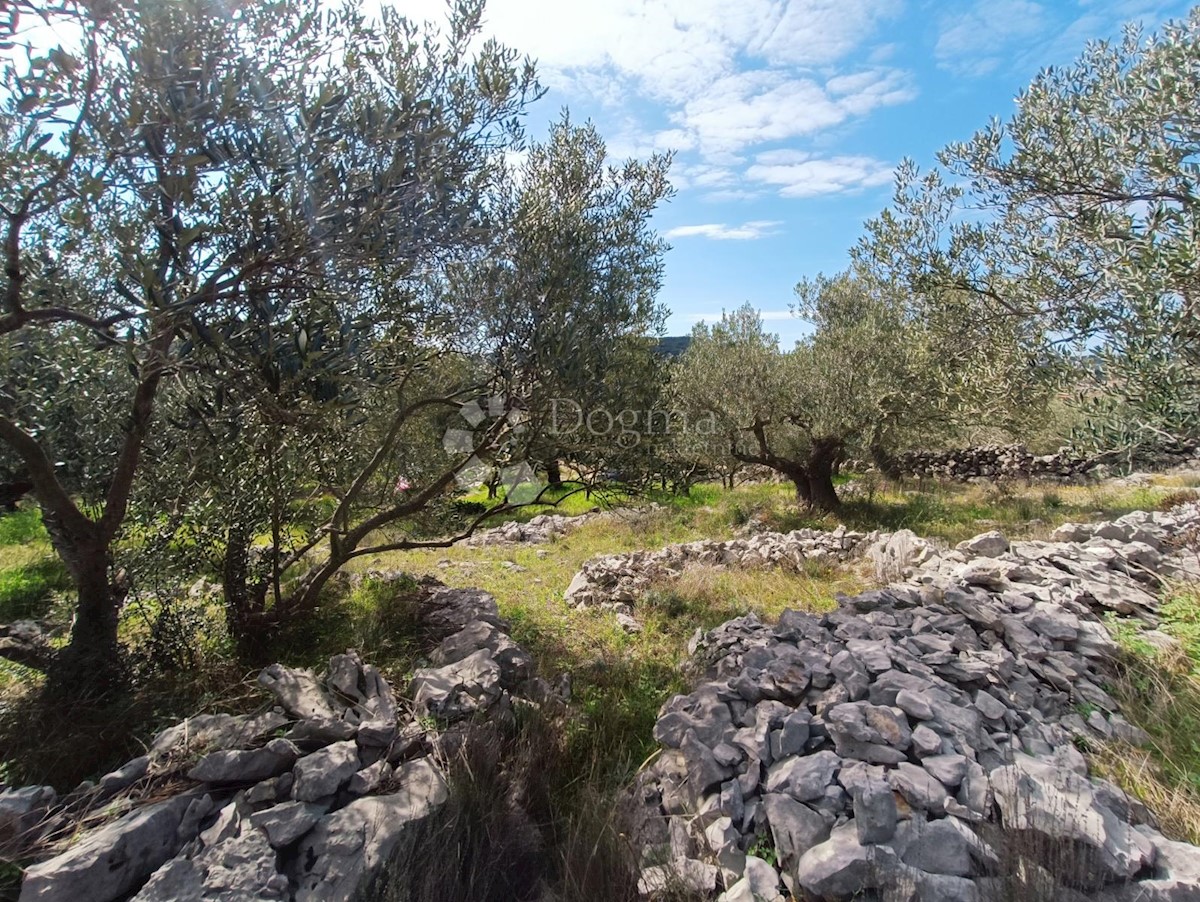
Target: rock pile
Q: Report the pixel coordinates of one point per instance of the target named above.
(305, 801)
(616, 581)
(920, 742)
(539, 530)
(1016, 462)
(995, 462)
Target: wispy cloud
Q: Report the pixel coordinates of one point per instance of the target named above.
(977, 40)
(798, 174)
(747, 231)
(720, 80)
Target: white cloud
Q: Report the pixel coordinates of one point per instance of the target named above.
(815, 32)
(755, 107)
(1026, 34)
(726, 77)
(747, 231)
(800, 174)
(975, 41)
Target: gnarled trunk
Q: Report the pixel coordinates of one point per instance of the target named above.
(821, 493)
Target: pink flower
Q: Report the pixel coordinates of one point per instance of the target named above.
(402, 485)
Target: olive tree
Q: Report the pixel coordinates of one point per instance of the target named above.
(1075, 220)
(197, 178)
(873, 374)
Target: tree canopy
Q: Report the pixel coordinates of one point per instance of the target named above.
(1075, 220)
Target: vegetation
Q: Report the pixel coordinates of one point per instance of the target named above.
(875, 374)
(292, 276)
(289, 296)
(1072, 222)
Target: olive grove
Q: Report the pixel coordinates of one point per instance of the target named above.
(256, 260)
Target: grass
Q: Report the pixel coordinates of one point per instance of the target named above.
(1159, 691)
(619, 680)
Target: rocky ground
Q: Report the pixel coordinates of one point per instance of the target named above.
(307, 800)
(921, 741)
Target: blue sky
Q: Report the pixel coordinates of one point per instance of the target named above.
(787, 116)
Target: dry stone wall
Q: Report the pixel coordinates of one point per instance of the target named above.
(921, 741)
(1017, 462)
(306, 800)
(615, 582)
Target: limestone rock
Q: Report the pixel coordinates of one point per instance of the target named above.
(349, 847)
(110, 861)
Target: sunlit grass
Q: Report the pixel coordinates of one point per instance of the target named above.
(1160, 692)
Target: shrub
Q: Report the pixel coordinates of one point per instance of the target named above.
(21, 527)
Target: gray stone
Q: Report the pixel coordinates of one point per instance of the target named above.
(841, 868)
(703, 771)
(851, 674)
(320, 731)
(324, 772)
(926, 742)
(111, 861)
(795, 828)
(21, 811)
(790, 738)
(459, 689)
(369, 778)
(914, 705)
(298, 691)
(803, 778)
(213, 732)
(762, 878)
(1036, 796)
(286, 823)
(949, 770)
(376, 733)
(875, 812)
(696, 876)
(349, 848)
(918, 788)
(988, 544)
(938, 847)
(250, 766)
(239, 866)
(125, 776)
(516, 666)
(869, 723)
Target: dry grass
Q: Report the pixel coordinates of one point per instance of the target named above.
(1159, 691)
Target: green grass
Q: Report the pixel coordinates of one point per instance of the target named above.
(30, 572)
(27, 592)
(21, 527)
(619, 680)
(1159, 691)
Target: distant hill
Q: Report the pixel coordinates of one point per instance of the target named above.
(673, 345)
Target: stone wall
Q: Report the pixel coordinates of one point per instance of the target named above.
(306, 800)
(615, 582)
(921, 741)
(1016, 462)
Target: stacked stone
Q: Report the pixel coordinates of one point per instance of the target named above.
(994, 462)
(539, 530)
(920, 742)
(306, 801)
(615, 582)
